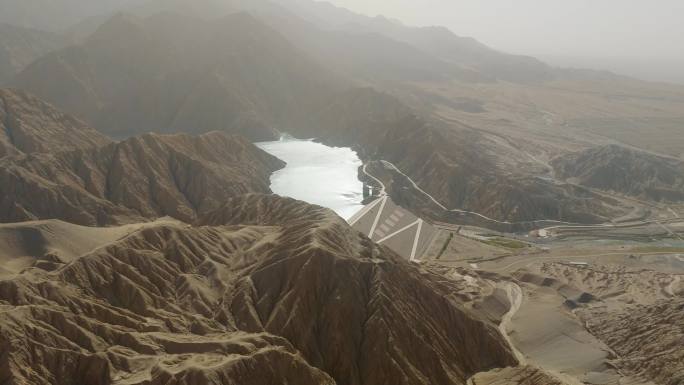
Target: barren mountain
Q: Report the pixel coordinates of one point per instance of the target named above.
(365, 57)
(266, 290)
(425, 52)
(280, 77)
(369, 50)
(20, 46)
(49, 15)
(459, 166)
(172, 73)
(143, 177)
(29, 125)
(467, 54)
(625, 171)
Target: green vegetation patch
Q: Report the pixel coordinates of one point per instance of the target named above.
(506, 243)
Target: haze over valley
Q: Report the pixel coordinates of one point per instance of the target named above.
(292, 192)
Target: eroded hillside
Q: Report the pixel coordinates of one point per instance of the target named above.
(265, 289)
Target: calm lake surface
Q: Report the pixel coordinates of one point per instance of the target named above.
(318, 174)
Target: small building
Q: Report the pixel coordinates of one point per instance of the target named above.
(578, 264)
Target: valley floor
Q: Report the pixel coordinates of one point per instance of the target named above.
(574, 291)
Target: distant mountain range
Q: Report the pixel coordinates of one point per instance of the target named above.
(172, 73)
(625, 171)
(476, 118)
(20, 46)
(51, 15)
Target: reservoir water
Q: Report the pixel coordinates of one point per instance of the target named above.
(317, 174)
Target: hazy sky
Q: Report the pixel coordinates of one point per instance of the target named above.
(643, 37)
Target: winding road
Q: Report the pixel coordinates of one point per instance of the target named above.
(560, 224)
(515, 298)
(383, 190)
(529, 261)
(415, 185)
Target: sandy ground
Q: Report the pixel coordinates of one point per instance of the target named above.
(556, 289)
(53, 241)
(551, 337)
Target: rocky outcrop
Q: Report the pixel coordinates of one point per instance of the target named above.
(625, 171)
(263, 290)
(29, 125)
(647, 339)
(140, 178)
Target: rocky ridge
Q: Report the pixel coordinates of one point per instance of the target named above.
(626, 171)
(140, 178)
(263, 289)
(29, 125)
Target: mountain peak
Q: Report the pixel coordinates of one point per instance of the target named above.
(30, 125)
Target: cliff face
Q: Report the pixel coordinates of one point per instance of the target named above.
(141, 178)
(263, 290)
(30, 125)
